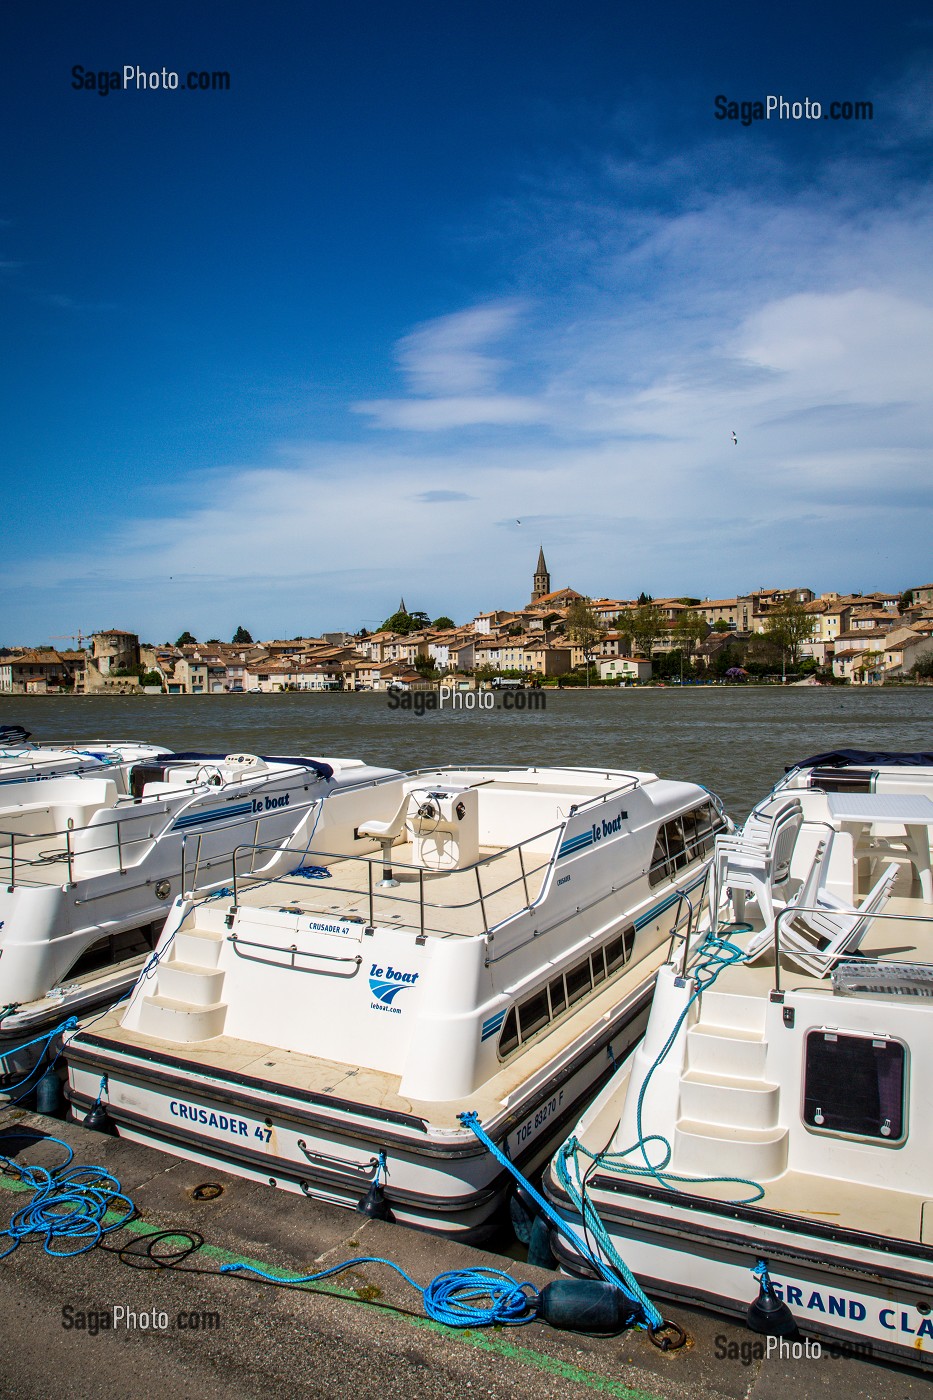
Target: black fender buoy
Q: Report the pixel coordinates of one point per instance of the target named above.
(374, 1204)
(100, 1121)
(769, 1315)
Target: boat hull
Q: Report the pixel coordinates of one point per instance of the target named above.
(856, 1291)
(327, 1146)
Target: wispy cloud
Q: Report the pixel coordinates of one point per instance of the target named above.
(452, 378)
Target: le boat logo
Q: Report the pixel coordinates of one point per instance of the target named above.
(268, 804)
(385, 985)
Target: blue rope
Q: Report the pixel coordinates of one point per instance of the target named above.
(452, 1298)
(716, 953)
(68, 1203)
(616, 1271)
(312, 872)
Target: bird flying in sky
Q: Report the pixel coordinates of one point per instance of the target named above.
(735, 440)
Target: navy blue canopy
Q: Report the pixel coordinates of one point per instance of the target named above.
(864, 758)
(323, 770)
(13, 734)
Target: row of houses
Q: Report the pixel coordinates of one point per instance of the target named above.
(864, 638)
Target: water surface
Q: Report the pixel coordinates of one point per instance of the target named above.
(734, 740)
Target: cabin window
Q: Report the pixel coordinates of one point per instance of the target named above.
(564, 991)
(676, 848)
(508, 1040)
(115, 948)
(658, 871)
(683, 840)
(558, 996)
(854, 1086)
(615, 953)
(533, 1014)
(578, 982)
(692, 825)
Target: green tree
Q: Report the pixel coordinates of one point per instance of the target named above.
(721, 625)
(690, 629)
(403, 623)
(647, 627)
(788, 626)
(426, 666)
(186, 640)
(584, 629)
(443, 623)
(644, 598)
(242, 638)
(906, 600)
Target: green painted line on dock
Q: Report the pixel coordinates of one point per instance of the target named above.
(482, 1341)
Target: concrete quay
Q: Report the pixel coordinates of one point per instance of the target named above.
(361, 1334)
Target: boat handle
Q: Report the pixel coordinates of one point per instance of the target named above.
(363, 1168)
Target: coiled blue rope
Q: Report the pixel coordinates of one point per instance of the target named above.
(453, 1298)
(68, 1204)
(612, 1267)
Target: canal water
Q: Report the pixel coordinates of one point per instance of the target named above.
(737, 741)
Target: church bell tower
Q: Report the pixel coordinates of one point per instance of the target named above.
(542, 584)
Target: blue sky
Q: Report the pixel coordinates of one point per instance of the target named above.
(274, 356)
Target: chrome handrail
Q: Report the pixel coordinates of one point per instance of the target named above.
(237, 880)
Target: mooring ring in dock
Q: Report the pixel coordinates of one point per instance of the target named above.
(661, 1337)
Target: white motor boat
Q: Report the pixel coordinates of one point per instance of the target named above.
(469, 939)
(24, 761)
(88, 869)
(774, 1116)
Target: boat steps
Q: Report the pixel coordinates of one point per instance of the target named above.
(726, 1050)
(714, 1149)
(732, 1011)
(196, 947)
(181, 1021)
(728, 1100)
(191, 983)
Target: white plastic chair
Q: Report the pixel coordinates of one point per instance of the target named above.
(756, 860)
(810, 895)
(827, 928)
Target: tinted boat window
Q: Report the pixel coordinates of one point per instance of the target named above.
(658, 871)
(578, 981)
(854, 1085)
(509, 1036)
(534, 1013)
(675, 845)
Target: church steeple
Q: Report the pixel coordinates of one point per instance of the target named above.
(402, 608)
(542, 584)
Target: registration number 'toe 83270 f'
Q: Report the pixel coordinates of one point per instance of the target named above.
(532, 1125)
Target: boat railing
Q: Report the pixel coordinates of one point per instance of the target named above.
(18, 849)
(687, 917)
(833, 956)
(485, 892)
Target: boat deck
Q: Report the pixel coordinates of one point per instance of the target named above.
(902, 932)
(290, 1070)
(440, 904)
